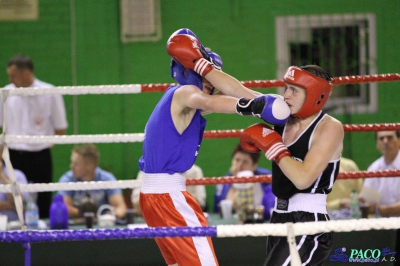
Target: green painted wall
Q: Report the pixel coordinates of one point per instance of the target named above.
(242, 32)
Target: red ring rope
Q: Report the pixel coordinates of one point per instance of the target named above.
(235, 133)
(268, 178)
(279, 83)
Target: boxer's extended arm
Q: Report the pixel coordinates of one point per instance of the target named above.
(185, 49)
(189, 96)
(229, 85)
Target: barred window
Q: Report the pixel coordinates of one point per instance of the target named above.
(342, 44)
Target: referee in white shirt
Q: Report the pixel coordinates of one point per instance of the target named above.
(32, 115)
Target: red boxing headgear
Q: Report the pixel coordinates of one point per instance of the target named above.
(318, 90)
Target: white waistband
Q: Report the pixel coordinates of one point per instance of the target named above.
(314, 203)
(163, 183)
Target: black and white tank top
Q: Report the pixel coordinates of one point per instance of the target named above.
(282, 187)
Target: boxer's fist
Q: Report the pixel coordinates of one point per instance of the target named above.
(185, 49)
(191, 33)
(262, 137)
(270, 107)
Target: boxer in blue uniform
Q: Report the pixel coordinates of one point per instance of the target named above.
(173, 136)
(305, 156)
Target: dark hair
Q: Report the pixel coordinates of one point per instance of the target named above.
(397, 134)
(317, 71)
(23, 62)
(255, 156)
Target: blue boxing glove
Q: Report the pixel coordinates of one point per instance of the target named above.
(270, 107)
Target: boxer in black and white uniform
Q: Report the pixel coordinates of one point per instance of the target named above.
(305, 155)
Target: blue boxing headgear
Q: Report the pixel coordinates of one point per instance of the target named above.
(183, 76)
(215, 59)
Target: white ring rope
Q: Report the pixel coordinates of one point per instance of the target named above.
(73, 90)
(74, 139)
(92, 185)
(308, 228)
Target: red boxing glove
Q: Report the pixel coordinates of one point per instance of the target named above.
(262, 137)
(185, 49)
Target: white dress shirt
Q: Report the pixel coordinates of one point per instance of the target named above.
(33, 115)
(389, 187)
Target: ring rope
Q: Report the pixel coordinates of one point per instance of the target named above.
(73, 90)
(304, 228)
(90, 185)
(123, 184)
(268, 178)
(234, 133)
(75, 139)
(138, 88)
(138, 137)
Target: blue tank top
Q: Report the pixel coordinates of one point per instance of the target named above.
(164, 149)
(282, 187)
